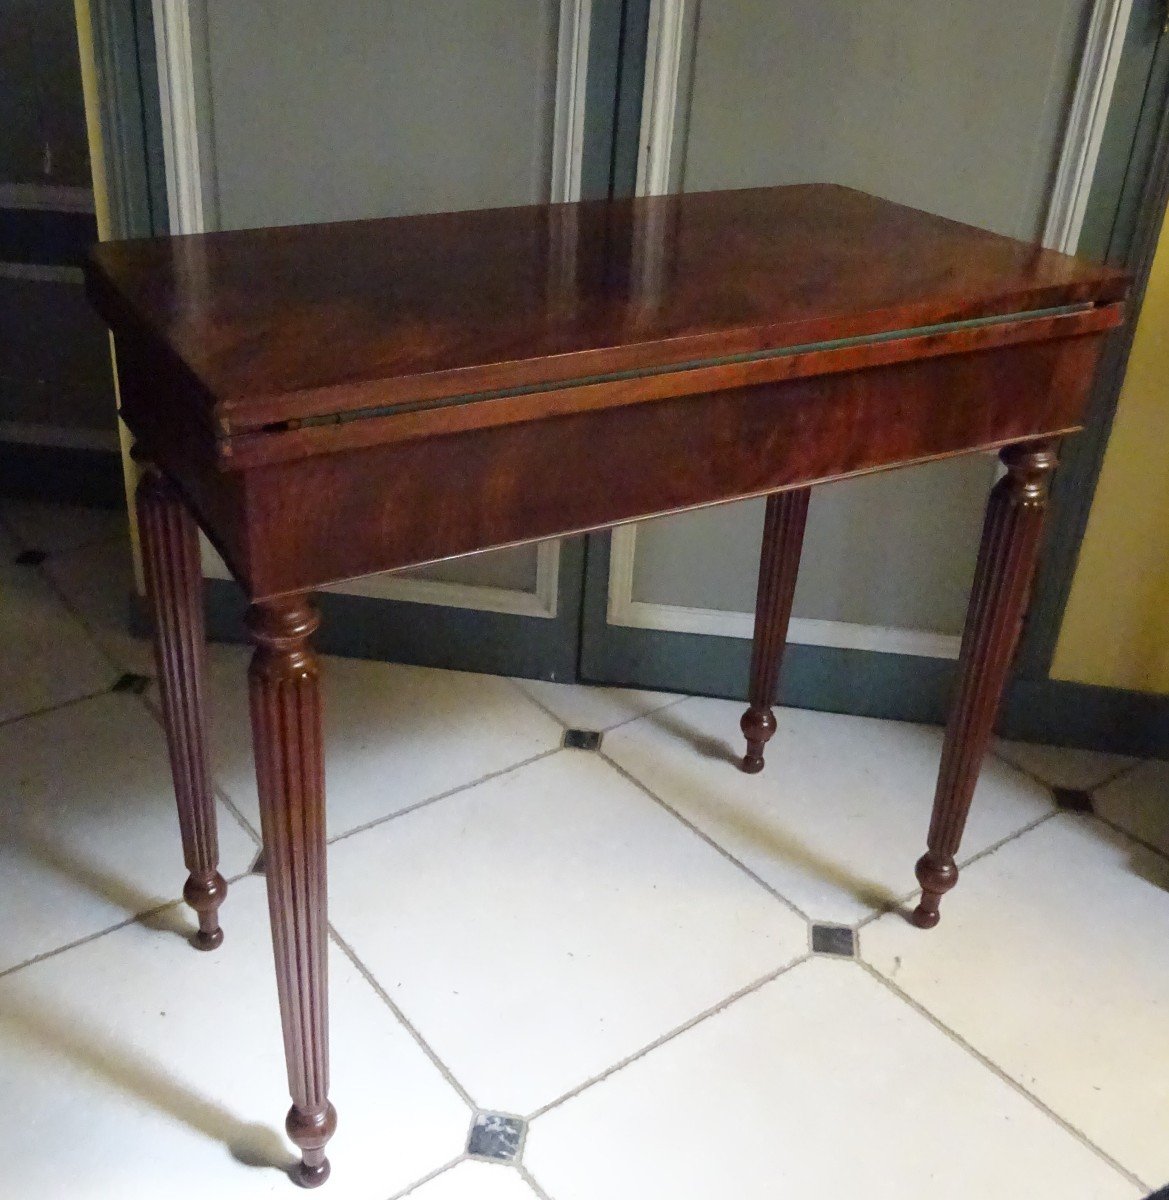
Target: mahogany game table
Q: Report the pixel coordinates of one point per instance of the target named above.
(329, 401)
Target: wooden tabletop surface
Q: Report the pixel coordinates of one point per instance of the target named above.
(300, 321)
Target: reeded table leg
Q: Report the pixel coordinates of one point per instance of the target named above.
(284, 687)
(1002, 586)
(779, 563)
(174, 585)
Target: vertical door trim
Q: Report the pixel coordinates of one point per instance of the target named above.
(180, 129)
(671, 30)
(1084, 132)
(568, 125)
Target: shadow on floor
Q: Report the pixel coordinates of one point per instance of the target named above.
(250, 1144)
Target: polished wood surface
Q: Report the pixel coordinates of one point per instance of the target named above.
(174, 590)
(284, 689)
(998, 601)
(319, 320)
(779, 564)
(333, 401)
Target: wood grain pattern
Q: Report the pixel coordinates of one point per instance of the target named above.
(297, 322)
(284, 689)
(335, 516)
(1002, 585)
(779, 563)
(174, 588)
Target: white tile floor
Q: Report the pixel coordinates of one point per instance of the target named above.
(613, 947)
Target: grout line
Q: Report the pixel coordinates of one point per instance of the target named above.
(993, 1067)
(901, 901)
(423, 1044)
(67, 603)
(530, 1180)
(1122, 770)
(685, 1027)
(1115, 774)
(244, 823)
(220, 793)
(799, 912)
(462, 787)
(51, 708)
(412, 1188)
(515, 683)
(649, 712)
(137, 919)
(1163, 855)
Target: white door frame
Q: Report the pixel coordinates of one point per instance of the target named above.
(178, 90)
(672, 27)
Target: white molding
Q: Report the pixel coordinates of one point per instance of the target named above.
(47, 197)
(624, 610)
(1085, 127)
(542, 602)
(572, 66)
(665, 45)
(180, 129)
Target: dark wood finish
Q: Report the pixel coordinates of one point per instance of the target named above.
(284, 687)
(174, 588)
(432, 307)
(337, 400)
(1002, 584)
(293, 526)
(779, 564)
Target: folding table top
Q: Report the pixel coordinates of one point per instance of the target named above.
(335, 322)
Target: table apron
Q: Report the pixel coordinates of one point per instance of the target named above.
(294, 526)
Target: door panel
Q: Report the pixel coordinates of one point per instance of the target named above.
(379, 108)
(921, 584)
(955, 108)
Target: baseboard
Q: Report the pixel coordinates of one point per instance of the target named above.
(1092, 718)
(858, 682)
(896, 687)
(64, 474)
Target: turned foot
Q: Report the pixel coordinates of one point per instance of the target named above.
(311, 1132)
(204, 892)
(936, 879)
(758, 725)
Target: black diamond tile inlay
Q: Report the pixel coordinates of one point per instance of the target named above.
(497, 1137)
(131, 683)
(257, 868)
(833, 939)
(30, 558)
(1073, 799)
(582, 739)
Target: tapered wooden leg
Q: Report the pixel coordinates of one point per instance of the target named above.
(1002, 587)
(779, 563)
(174, 585)
(284, 687)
